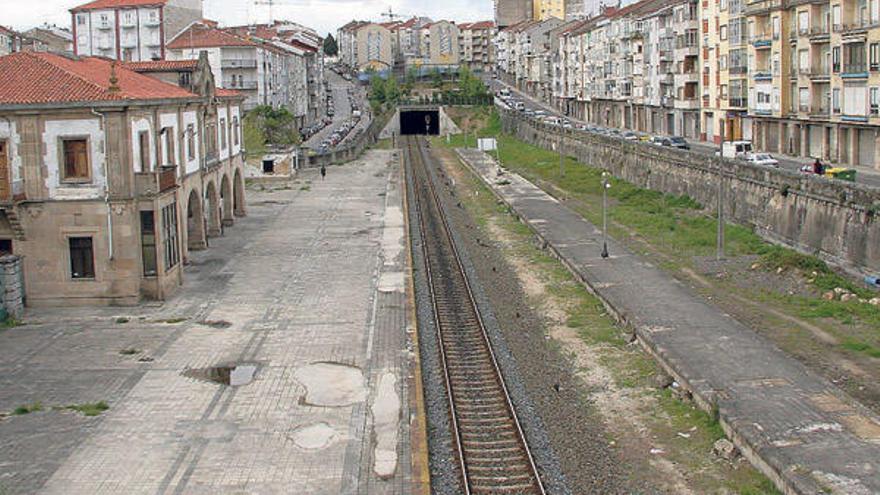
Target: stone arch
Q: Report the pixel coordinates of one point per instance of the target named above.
(212, 209)
(226, 201)
(195, 225)
(238, 194)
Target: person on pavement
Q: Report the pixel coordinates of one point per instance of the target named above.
(323, 172)
(818, 169)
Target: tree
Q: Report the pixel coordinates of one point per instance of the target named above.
(265, 124)
(330, 46)
(377, 89)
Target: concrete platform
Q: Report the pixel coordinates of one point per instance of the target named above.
(804, 433)
(309, 288)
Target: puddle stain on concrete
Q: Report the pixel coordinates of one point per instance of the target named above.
(386, 418)
(315, 436)
(331, 384)
(234, 375)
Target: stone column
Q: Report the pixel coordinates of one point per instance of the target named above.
(782, 139)
(12, 293)
(805, 140)
(853, 146)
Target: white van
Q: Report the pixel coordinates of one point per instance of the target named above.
(735, 149)
(504, 93)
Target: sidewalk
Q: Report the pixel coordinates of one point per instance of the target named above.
(797, 428)
(706, 147)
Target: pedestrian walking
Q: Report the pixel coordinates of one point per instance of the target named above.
(323, 172)
(818, 169)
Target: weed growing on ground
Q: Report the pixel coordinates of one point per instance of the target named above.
(305, 188)
(681, 229)
(129, 351)
(631, 368)
(27, 408)
(88, 409)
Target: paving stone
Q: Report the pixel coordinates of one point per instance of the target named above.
(296, 282)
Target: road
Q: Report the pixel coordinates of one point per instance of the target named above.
(341, 104)
(863, 175)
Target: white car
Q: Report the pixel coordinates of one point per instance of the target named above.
(761, 159)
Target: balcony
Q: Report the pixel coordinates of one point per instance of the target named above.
(762, 7)
(687, 103)
(128, 42)
(762, 75)
(151, 183)
(819, 74)
(240, 84)
(104, 25)
(738, 70)
(818, 111)
(127, 22)
(238, 63)
(820, 34)
(761, 41)
(855, 71)
(151, 21)
(738, 102)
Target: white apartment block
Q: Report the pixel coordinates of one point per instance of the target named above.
(130, 30)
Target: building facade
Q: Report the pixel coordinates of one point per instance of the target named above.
(54, 38)
(476, 49)
(109, 178)
(130, 30)
(510, 12)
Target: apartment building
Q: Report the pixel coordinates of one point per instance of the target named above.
(54, 38)
(476, 47)
(374, 48)
(545, 9)
(12, 41)
(817, 85)
(111, 177)
(724, 59)
(346, 39)
(510, 12)
(130, 30)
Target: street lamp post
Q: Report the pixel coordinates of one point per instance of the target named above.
(605, 186)
(561, 158)
(719, 244)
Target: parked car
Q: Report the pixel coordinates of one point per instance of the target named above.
(679, 142)
(735, 149)
(761, 159)
(630, 136)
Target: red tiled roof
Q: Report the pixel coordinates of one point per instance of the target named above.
(40, 77)
(479, 25)
(226, 92)
(161, 65)
(303, 46)
(114, 4)
(202, 36)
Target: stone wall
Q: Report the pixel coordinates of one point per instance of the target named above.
(835, 220)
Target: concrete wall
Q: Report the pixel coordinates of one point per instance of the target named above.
(837, 221)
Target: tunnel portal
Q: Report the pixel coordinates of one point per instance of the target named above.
(419, 122)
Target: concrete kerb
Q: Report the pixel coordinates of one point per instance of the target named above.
(704, 398)
(418, 427)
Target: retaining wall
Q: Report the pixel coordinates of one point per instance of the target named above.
(835, 220)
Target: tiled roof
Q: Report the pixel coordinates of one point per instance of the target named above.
(479, 25)
(114, 4)
(161, 65)
(226, 92)
(40, 77)
(202, 36)
(303, 46)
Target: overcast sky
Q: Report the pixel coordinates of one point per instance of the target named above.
(322, 15)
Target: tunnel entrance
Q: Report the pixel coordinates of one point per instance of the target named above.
(419, 122)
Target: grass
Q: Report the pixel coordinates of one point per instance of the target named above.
(27, 409)
(122, 320)
(129, 351)
(631, 368)
(89, 408)
(679, 229)
(172, 321)
(305, 188)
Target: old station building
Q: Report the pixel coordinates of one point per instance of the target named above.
(110, 177)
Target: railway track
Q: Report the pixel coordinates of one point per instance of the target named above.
(493, 454)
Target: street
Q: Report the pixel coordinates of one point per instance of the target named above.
(863, 175)
(342, 109)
